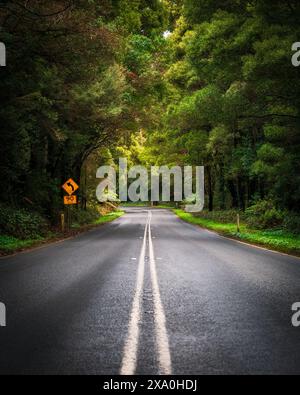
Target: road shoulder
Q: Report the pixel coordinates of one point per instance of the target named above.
(237, 237)
(33, 245)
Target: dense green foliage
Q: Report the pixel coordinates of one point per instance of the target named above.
(233, 101)
(21, 223)
(79, 75)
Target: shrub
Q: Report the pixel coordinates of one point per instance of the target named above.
(264, 215)
(292, 223)
(224, 217)
(22, 223)
(84, 217)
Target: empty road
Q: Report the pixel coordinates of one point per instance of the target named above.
(149, 294)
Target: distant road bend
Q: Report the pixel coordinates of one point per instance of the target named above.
(149, 294)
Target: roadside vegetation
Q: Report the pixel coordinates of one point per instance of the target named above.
(283, 236)
(22, 229)
(149, 205)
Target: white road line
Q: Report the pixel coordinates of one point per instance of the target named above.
(162, 341)
(130, 353)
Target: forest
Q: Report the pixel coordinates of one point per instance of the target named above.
(160, 82)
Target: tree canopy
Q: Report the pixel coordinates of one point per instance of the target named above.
(196, 82)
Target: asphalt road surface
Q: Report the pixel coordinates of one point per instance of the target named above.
(149, 294)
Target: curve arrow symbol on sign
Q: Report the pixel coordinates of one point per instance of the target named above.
(71, 186)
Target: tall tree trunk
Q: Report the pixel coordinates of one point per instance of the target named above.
(241, 194)
(222, 189)
(233, 193)
(210, 190)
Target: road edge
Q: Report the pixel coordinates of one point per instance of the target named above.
(53, 241)
(263, 247)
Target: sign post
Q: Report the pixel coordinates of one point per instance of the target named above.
(62, 219)
(70, 187)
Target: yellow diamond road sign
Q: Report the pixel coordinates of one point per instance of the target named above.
(70, 186)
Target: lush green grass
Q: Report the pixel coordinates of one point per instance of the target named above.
(148, 204)
(100, 220)
(166, 206)
(275, 239)
(138, 204)
(10, 244)
(109, 217)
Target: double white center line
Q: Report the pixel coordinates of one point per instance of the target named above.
(130, 355)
